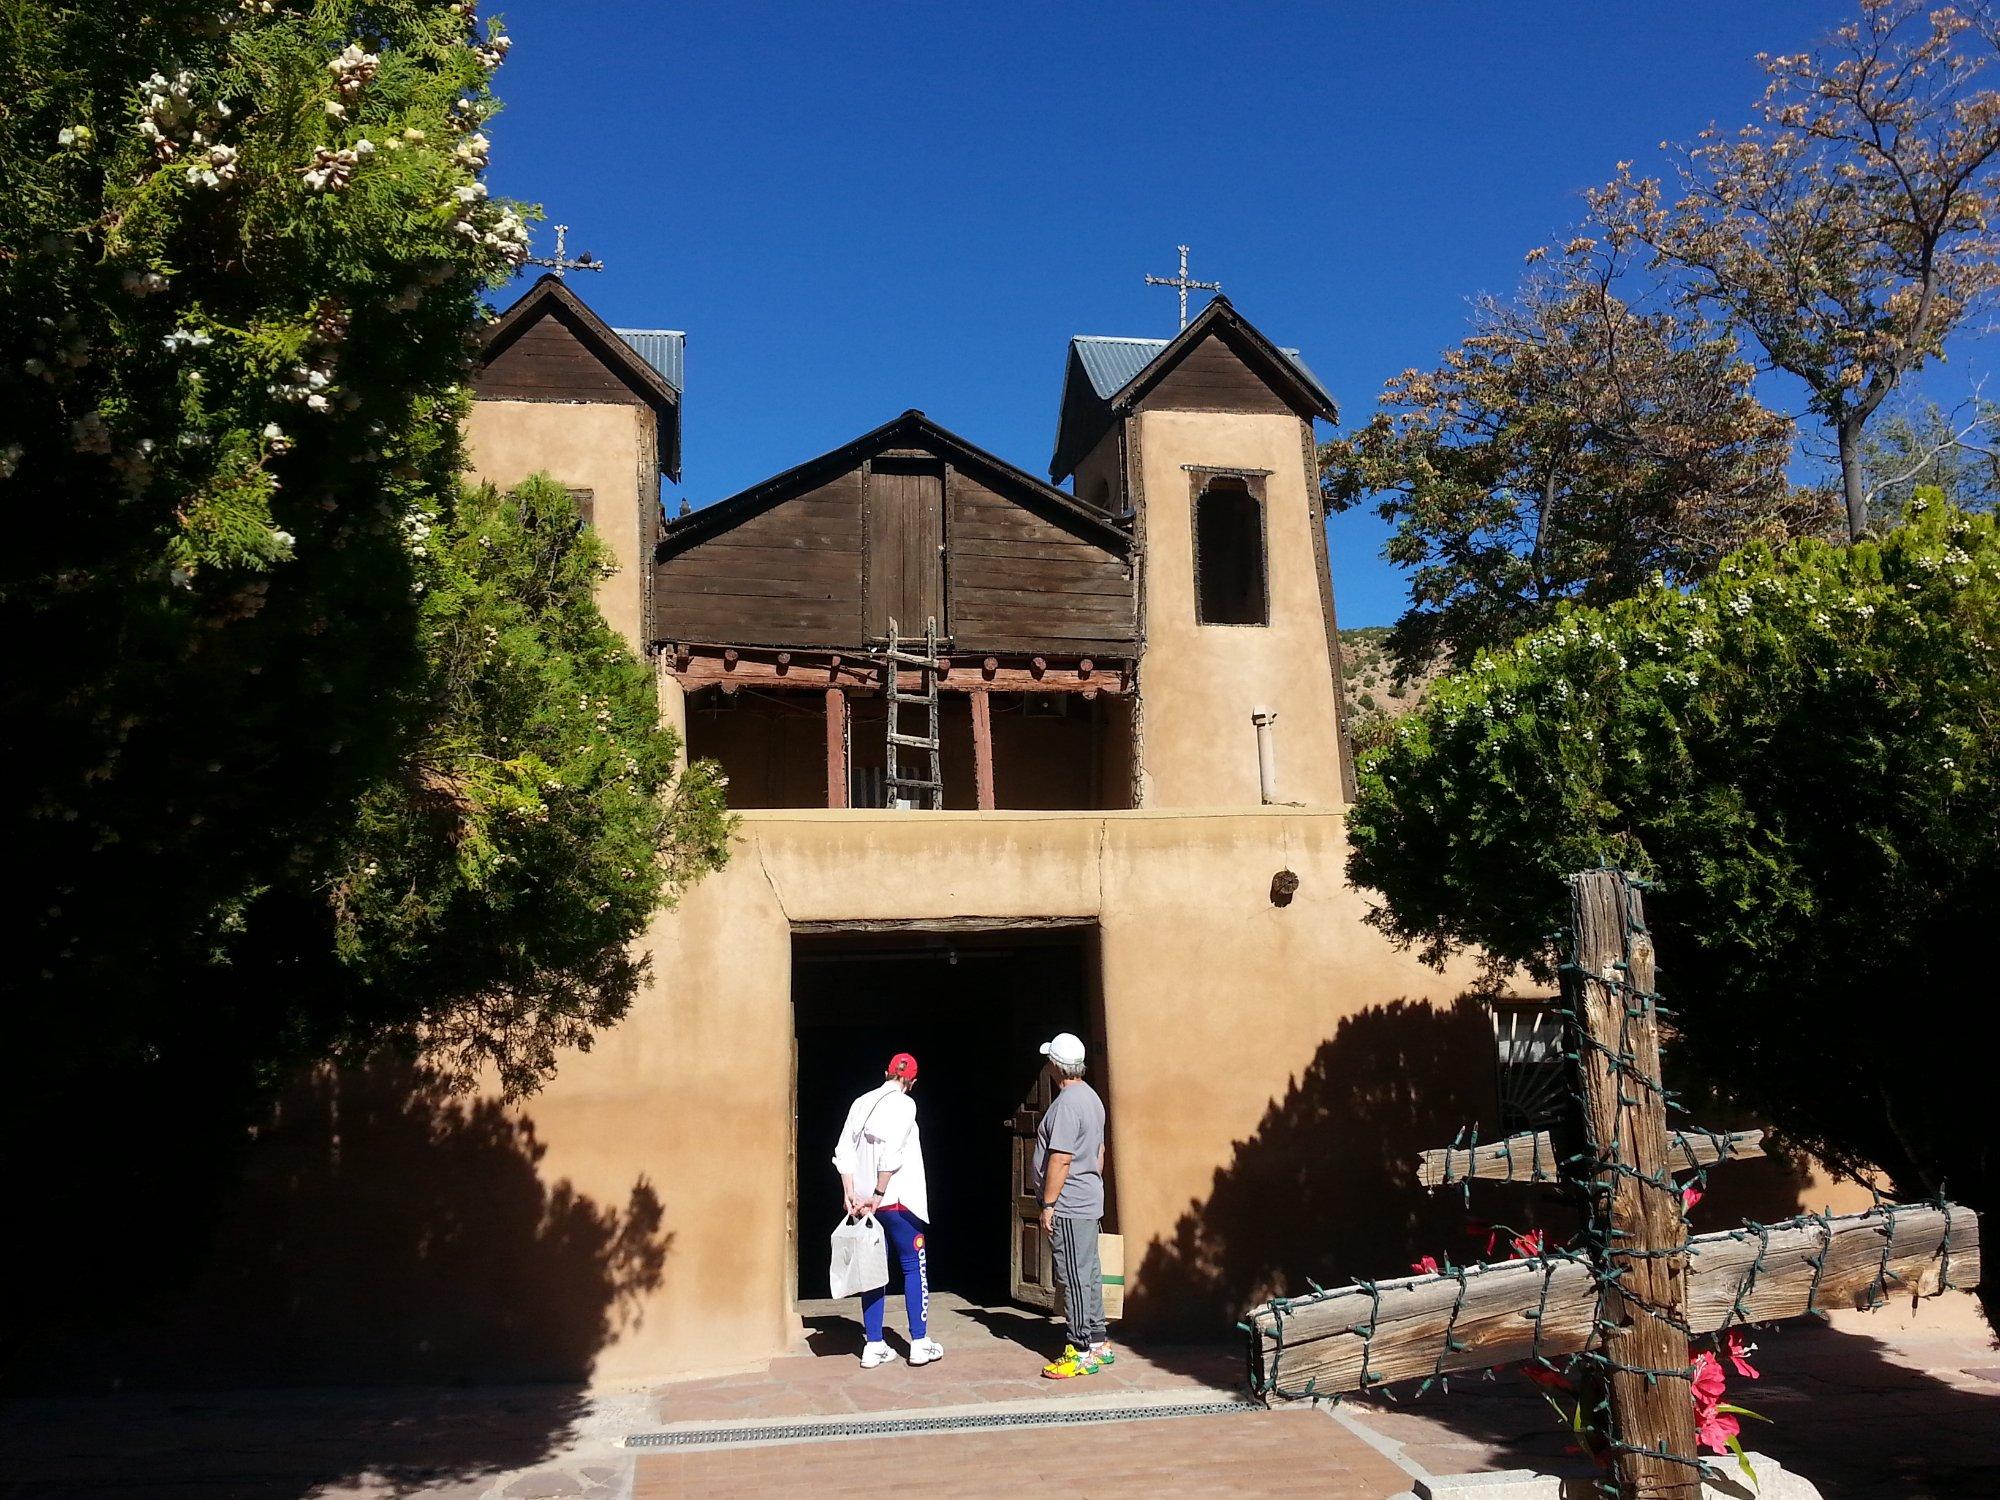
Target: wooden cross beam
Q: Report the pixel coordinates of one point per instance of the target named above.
(1356, 1337)
(1531, 1156)
(1630, 1299)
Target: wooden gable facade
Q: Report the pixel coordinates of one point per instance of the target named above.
(549, 346)
(1220, 362)
(905, 523)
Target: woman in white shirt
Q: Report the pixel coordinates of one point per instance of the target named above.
(880, 1158)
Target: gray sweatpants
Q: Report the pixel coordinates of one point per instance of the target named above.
(1081, 1277)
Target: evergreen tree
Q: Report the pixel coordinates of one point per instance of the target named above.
(304, 753)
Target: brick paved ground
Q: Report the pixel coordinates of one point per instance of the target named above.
(1259, 1454)
(1874, 1406)
(991, 1354)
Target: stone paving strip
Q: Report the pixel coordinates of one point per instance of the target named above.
(1114, 1406)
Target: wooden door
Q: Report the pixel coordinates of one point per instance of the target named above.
(1030, 1260)
(905, 546)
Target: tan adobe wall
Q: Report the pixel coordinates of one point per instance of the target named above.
(1199, 684)
(1271, 1070)
(604, 448)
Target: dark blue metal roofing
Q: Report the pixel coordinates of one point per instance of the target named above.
(1112, 363)
(665, 349)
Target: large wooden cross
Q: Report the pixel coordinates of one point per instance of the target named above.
(1633, 1297)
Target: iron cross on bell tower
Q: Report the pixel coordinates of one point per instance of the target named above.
(1183, 284)
(560, 262)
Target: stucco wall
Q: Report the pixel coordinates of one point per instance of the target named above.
(1199, 684)
(1215, 1002)
(604, 448)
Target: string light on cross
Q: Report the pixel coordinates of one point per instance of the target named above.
(1183, 284)
(560, 261)
(1620, 1305)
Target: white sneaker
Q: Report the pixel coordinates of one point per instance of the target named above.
(876, 1354)
(923, 1351)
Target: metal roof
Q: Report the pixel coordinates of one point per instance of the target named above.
(1112, 363)
(665, 349)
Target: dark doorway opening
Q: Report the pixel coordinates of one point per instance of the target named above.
(973, 1007)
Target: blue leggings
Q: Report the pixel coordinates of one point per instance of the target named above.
(906, 1233)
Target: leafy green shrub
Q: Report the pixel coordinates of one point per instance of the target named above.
(1803, 751)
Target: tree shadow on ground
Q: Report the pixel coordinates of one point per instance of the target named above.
(389, 1232)
(1845, 1412)
(1326, 1191)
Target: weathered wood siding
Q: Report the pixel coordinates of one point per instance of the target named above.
(1213, 377)
(551, 360)
(790, 575)
(905, 531)
(1020, 580)
(905, 535)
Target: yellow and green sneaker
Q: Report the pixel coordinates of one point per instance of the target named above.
(1103, 1353)
(1074, 1362)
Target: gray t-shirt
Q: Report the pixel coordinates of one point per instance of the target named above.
(1074, 1122)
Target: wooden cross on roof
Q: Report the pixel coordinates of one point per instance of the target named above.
(1626, 1300)
(1182, 284)
(560, 262)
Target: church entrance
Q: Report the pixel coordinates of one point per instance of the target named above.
(974, 1007)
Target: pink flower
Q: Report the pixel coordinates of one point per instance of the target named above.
(1428, 1266)
(1708, 1382)
(1690, 1196)
(1739, 1355)
(1714, 1429)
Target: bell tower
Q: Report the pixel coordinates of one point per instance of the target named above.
(1204, 443)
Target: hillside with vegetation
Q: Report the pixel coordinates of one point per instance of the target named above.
(1376, 697)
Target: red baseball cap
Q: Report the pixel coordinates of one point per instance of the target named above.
(902, 1065)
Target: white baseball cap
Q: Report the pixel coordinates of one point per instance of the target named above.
(1063, 1048)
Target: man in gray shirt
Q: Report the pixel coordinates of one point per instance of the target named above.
(1069, 1171)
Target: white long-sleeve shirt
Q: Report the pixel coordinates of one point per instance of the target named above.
(881, 1135)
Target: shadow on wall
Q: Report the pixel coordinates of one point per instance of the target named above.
(1326, 1190)
(389, 1231)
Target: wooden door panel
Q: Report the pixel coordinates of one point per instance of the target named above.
(905, 553)
(1031, 1261)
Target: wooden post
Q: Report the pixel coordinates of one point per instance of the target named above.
(1610, 990)
(982, 746)
(836, 747)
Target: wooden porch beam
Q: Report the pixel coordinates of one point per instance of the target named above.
(982, 747)
(698, 667)
(836, 747)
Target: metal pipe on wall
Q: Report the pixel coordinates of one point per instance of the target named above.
(1267, 753)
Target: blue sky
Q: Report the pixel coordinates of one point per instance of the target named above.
(857, 209)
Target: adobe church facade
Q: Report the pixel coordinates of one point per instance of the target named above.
(1135, 829)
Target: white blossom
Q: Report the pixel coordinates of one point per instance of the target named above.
(10, 460)
(90, 434)
(353, 69)
(186, 338)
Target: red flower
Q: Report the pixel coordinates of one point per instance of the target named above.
(1542, 1375)
(1707, 1381)
(1739, 1355)
(1477, 1227)
(1690, 1196)
(1428, 1266)
(1714, 1429)
(1529, 1245)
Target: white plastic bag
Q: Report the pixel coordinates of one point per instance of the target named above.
(860, 1258)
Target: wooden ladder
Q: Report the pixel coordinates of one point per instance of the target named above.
(930, 789)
